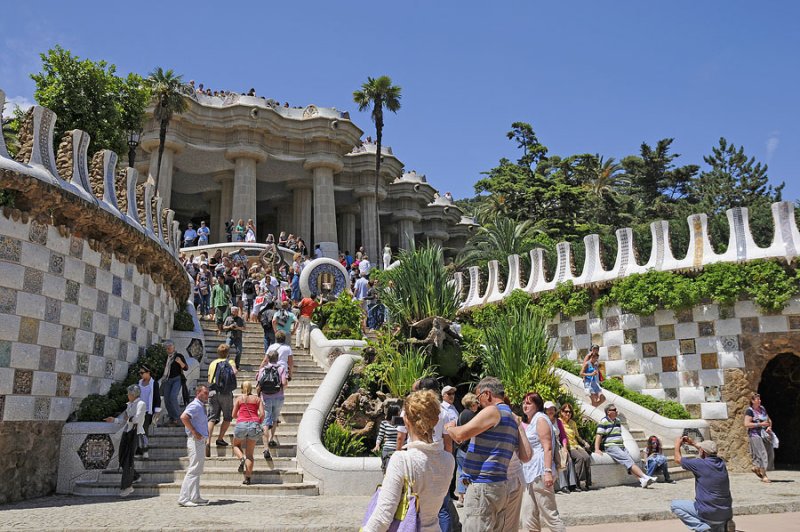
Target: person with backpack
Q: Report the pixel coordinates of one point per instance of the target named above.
(285, 320)
(265, 316)
(272, 379)
(222, 383)
(249, 295)
(234, 325)
(284, 350)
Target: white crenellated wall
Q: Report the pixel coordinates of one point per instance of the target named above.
(699, 253)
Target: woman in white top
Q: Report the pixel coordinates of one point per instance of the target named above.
(430, 467)
(539, 470)
(133, 417)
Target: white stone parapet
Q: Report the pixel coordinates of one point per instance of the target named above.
(741, 247)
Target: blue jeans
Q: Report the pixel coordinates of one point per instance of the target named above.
(657, 463)
(171, 390)
(461, 488)
(237, 345)
(444, 515)
(205, 304)
(687, 513)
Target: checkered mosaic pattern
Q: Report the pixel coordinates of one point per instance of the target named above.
(678, 356)
(71, 320)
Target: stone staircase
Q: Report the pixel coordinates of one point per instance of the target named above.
(676, 472)
(163, 471)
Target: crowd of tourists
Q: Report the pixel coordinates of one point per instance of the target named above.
(201, 89)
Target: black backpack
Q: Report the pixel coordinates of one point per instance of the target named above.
(270, 381)
(224, 378)
(248, 287)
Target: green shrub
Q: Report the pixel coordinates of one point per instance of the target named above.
(668, 409)
(339, 441)
(769, 284)
(183, 321)
(344, 319)
(565, 298)
(644, 293)
(8, 198)
(404, 369)
(321, 314)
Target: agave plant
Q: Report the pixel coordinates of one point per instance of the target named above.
(419, 287)
(404, 369)
(517, 350)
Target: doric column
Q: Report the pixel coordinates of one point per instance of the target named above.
(213, 199)
(171, 148)
(225, 206)
(283, 220)
(386, 237)
(245, 160)
(325, 234)
(405, 228)
(347, 228)
(369, 233)
(301, 210)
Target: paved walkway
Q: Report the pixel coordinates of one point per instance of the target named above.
(619, 504)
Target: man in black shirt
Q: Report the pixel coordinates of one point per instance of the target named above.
(234, 325)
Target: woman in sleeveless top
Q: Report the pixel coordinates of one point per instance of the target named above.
(759, 434)
(590, 373)
(249, 413)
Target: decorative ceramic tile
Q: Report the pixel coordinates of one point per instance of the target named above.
(614, 353)
(109, 371)
(8, 301)
(76, 247)
(649, 349)
(581, 352)
(122, 352)
(631, 336)
(56, 265)
(726, 312)
(687, 346)
(113, 327)
(135, 332)
(632, 367)
(83, 363)
(96, 451)
(706, 328)
(690, 379)
(72, 291)
(729, 343)
(143, 323)
(750, 325)
(669, 364)
(67, 338)
(38, 233)
(146, 283)
(47, 359)
(597, 339)
(86, 319)
(150, 304)
(694, 410)
(90, 276)
(684, 316)
(712, 394)
(102, 301)
(33, 281)
(137, 296)
(105, 261)
(5, 353)
(116, 286)
(566, 341)
(709, 361)
(129, 272)
(99, 345)
(41, 409)
(10, 249)
(52, 310)
(602, 365)
(29, 330)
(652, 381)
(612, 323)
(126, 315)
(581, 327)
(2, 406)
(671, 394)
(23, 381)
(63, 383)
(666, 332)
(647, 321)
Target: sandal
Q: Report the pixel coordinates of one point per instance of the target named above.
(273, 443)
(246, 481)
(757, 471)
(241, 466)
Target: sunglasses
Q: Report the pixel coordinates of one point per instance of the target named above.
(612, 409)
(567, 411)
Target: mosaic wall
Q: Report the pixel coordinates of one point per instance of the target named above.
(71, 319)
(678, 356)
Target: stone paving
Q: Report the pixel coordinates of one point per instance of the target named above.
(610, 505)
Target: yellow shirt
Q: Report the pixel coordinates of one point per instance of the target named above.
(571, 429)
(212, 367)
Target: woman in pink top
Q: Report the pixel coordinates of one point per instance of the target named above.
(249, 413)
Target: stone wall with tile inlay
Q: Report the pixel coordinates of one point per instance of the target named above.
(681, 356)
(71, 320)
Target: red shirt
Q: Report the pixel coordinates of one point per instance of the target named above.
(307, 306)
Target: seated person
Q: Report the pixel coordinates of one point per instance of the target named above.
(655, 461)
(609, 436)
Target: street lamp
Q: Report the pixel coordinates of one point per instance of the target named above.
(134, 136)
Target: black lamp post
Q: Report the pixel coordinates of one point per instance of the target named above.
(134, 136)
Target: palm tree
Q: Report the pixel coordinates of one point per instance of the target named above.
(498, 240)
(380, 93)
(606, 177)
(169, 90)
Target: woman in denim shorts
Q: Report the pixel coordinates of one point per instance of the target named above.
(249, 413)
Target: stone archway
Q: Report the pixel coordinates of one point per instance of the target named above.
(740, 383)
(780, 394)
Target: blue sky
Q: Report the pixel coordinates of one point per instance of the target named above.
(596, 77)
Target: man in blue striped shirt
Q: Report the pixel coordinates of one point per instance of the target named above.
(496, 436)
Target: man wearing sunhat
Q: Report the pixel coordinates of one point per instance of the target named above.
(712, 508)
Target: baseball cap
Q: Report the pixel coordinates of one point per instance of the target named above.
(708, 446)
(448, 389)
(549, 404)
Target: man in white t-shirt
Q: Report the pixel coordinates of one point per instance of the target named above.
(364, 266)
(448, 398)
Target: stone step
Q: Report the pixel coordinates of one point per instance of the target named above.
(226, 462)
(287, 436)
(283, 450)
(212, 489)
(260, 475)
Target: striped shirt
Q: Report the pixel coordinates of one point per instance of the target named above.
(490, 452)
(387, 434)
(611, 432)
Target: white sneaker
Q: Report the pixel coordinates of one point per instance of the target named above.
(146, 455)
(201, 502)
(127, 491)
(643, 481)
(188, 504)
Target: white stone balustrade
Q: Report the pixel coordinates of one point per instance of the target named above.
(741, 247)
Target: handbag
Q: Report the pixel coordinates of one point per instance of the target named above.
(563, 457)
(406, 517)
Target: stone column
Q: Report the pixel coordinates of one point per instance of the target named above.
(245, 159)
(347, 229)
(213, 199)
(225, 207)
(324, 165)
(369, 233)
(386, 237)
(301, 211)
(283, 219)
(165, 179)
(405, 228)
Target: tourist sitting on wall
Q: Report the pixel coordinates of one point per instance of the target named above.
(239, 231)
(282, 239)
(609, 438)
(250, 231)
(301, 247)
(656, 462)
(579, 448)
(712, 508)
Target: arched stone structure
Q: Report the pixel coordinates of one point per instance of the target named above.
(780, 393)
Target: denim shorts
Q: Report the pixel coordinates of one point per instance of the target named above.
(248, 430)
(272, 410)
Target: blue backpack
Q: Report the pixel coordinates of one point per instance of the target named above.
(224, 378)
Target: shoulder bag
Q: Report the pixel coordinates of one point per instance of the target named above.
(406, 517)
